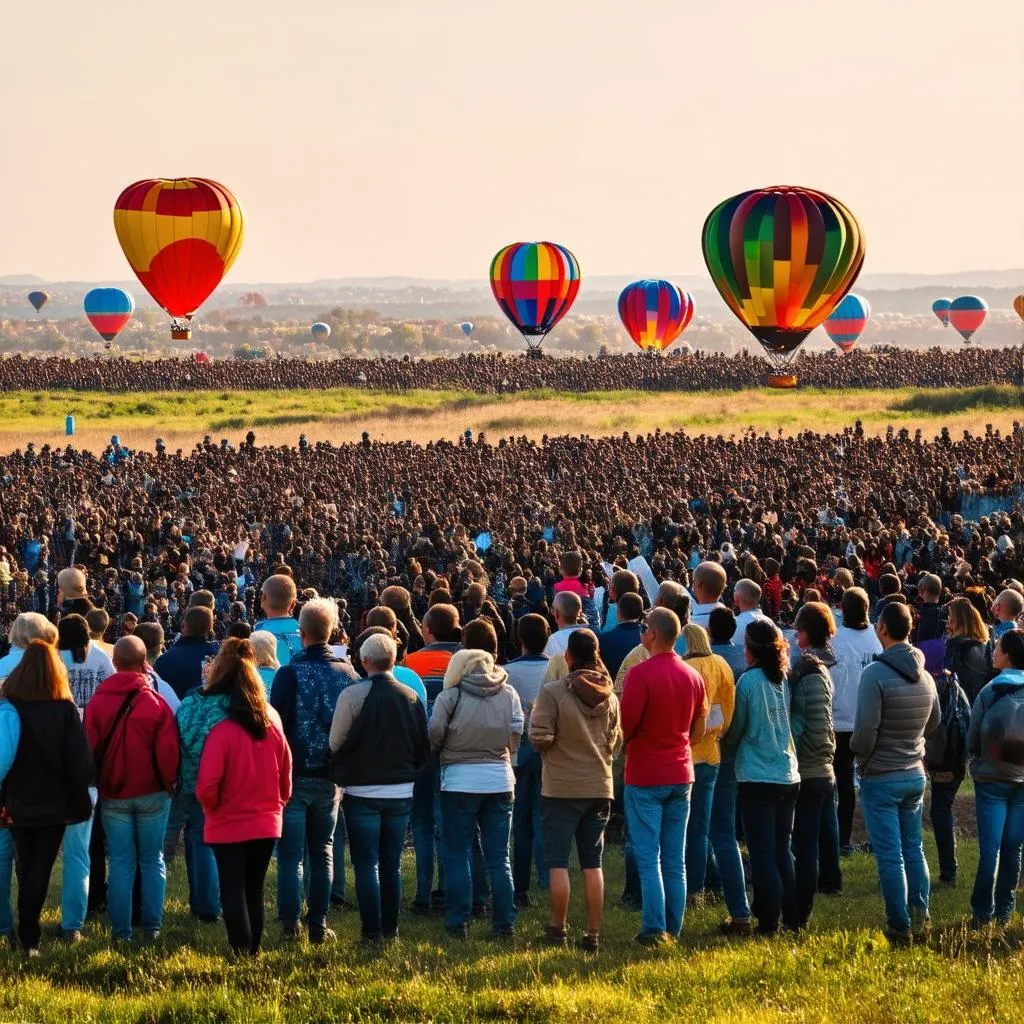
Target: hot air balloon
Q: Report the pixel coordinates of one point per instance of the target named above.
(466, 327)
(108, 310)
(38, 299)
(967, 314)
(180, 236)
(320, 331)
(654, 313)
(535, 283)
(1018, 306)
(253, 299)
(846, 324)
(940, 307)
(782, 258)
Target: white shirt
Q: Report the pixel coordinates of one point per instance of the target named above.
(164, 690)
(559, 640)
(744, 619)
(700, 613)
(389, 791)
(85, 676)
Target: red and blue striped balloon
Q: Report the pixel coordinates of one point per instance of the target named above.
(847, 322)
(108, 310)
(967, 314)
(940, 307)
(655, 313)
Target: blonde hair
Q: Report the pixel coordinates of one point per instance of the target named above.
(264, 647)
(29, 626)
(697, 643)
(963, 620)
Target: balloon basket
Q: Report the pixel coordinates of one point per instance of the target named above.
(782, 380)
(534, 353)
(181, 333)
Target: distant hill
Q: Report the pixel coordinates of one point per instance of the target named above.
(20, 280)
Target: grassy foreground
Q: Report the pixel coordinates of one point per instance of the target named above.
(841, 970)
(342, 414)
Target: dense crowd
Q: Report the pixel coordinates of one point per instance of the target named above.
(318, 648)
(881, 367)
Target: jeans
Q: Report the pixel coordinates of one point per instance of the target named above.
(74, 881)
(462, 814)
(203, 873)
(424, 836)
(830, 868)
(527, 847)
(242, 871)
(1000, 810)
(768, 812)
(843, 763)
(657, 823)
(722, 835)
(893, 806)
(699, 825)
(940, 810)
(6, 867)
(340, 842)
(177, 823)
(813, 802)
(310, 817)
(35, 850)
(376, 830)
(135, 829)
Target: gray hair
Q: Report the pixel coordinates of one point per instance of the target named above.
(378, 652)
(568, 605)
(264, 646)
(748, 591)
(319, 619)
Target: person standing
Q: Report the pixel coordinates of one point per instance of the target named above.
(278, 598)
(618, 641)
(567, 611)
(664, 707)
(181, 665)
(897, 708)
(746, 596)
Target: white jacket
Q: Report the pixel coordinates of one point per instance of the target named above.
(855, 650)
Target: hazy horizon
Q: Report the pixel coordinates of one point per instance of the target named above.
(398, 139)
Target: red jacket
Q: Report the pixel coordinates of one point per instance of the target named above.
(142, 750)
(244, 783)
(660, 699)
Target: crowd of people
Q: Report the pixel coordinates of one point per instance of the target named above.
(881, 367)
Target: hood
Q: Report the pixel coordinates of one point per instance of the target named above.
(811, 661)
(124, 682)
(908, 660)
(476, 672)
(593, 688)
(824, 655)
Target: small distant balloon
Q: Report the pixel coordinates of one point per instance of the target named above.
(967, 314)
(940, 307)
(847, 323)
(466, 327)
(654, 313)
(320, 331)
(38, 299)
(108, 310)
(1018, 306)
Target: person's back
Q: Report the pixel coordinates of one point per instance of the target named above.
(720, 686)
(995, 737)
(854, 650)
(969, 660)
(278, 597)
(765, 752)
(85, 676)
(618, 641)
(181, 666)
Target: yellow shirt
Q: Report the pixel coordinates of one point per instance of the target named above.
(635, 656)
(721, 690)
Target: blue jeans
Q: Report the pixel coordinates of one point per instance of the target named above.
(1000, 810)
(310, 817)
(6, 869)
(527, 846)
(830, 868)
(204, 882)
(657, 825)
(722, 836)
(893, 806)
(376, 830)
(340, 842)
(74, 882)
(940, 810)
(813, 802)
(699, 824)
(424, 836)
(135, 830)
(462, 814)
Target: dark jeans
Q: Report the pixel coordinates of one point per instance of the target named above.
(812, 801)
(768, 811)
(35, 850)
(527, 847)
(843, 763)
(830, 869)
(940, 810)
(376, 834)
(242, 871)
(424, 836)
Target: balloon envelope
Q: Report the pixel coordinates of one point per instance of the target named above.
(967, 314)
(38, 299)
(466, 327)
(847, 322)
(108, 310)
(654, 313)
(320, 331)
(940, 307)
(535, 284)
(782, 258)
(1018, 306)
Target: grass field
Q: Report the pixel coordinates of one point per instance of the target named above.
(278, 417)
(841, 971)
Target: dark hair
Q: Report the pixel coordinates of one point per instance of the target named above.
(202, 599)
(355, 651)
(584, 648)
(721, 625)
(854, 605)
(888, 585)
(815, 619)
(624, 581)
(533, 632)
(98, 621)
(630, 607)
(479, 635)
(571, 563)
(769, 649)
(1011, 643)
(896, 618)
(238, 630)
(198, 621)
(73, 636)
(443, 621)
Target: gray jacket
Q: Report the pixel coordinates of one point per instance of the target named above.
(897, 707)
(810, 713)
(994, 739)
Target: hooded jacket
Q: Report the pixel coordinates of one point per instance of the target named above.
(810, 713)
(575, 726)
(854, 650)
(969, 661)
(478, 717)
(997, 724)
(897, 707)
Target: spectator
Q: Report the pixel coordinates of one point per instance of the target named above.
(72, 592)
(967, 647)
(278, 598)
(1006, 610)
(181, 666)
(567, 610)
(930, 625)
(152, 635)
(99, 622)
(87, 666)
(618, 641)
(28, 626)
(746, 596)
(709, 582)
(264, 646)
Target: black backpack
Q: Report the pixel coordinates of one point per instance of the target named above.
(946, 749)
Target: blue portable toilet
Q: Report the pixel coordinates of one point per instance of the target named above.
(69, 426)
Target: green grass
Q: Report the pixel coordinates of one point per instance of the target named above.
(840, 971)
(945, 402)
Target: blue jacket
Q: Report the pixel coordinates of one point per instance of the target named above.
(760, 731)
(10, 734)
(304, 694)
(616, 643)
(286, 629)
(734, 656)
(181, 667)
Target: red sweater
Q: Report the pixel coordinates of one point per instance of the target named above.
(660, 699)
(142, 753)
(244, 783)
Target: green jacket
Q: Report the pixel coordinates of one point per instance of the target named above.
(810, 714)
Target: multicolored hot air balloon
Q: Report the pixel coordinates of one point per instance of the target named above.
(180, 236)
(535, 283)
(108, 310)
(320, 331)
(940, 307)
(847, 322)
(654, 313)
(38, 299)
(967, 314)
(466, 327)
(1018, 306)
(782, 258)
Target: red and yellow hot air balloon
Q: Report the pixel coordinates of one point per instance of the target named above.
(180, 236)
(1018, 306)
(654, 313)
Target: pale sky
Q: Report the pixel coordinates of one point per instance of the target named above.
(379, 137)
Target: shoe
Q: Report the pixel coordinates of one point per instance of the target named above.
(366, 941)
(652, 939)
(831, 891)
(70, 935)
(736, 926)
(945, 883)
(207, 918)
(899, 940)
(459, 931)
(502, 933)
(523, 900)
(341, 902)
(320, 937)
(848, 850)
(391, 936)
(590, 943)
(555, 936)
(695, 901)
(423, 910)
(150, 937)
(437, 899)
(31, 953)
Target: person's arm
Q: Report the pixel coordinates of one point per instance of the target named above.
(797, 710)
(422, 739)
(345, 713)
(634, 700)
(614, 726)
(211, 769)
(935, 717)
(725, 695)
(517, 723)
(867, 718)
(285, 771)
(79, 760)
(698, 723)
(282, 697)
(543, 720)
(10, 734)
(981, 704)
(168, 745)
(738, 726)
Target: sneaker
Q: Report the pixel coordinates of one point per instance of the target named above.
(590, 943)
(736, 926)
(652, 939)
(318, 938)
(523, 900)
(555, 936)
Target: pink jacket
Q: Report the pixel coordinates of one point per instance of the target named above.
(244, 783)
(574, 585)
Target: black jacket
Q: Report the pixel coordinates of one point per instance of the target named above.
(48, 783)
(932, 623)
(971, 662)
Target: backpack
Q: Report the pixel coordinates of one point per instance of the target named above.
(946, 749)
(1002, 737)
